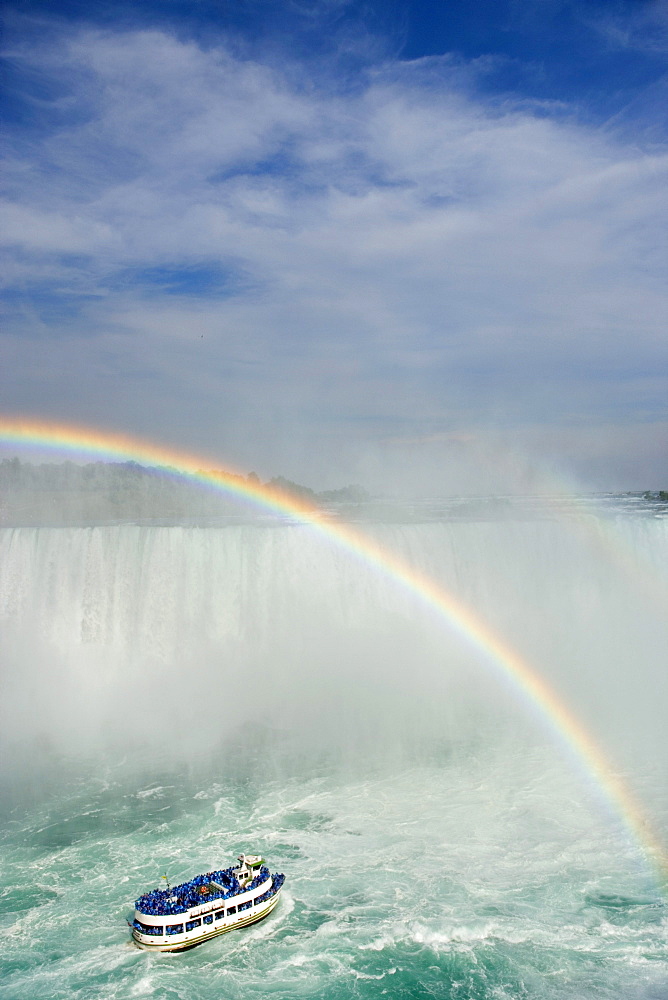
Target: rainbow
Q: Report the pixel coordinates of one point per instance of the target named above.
(29, 434)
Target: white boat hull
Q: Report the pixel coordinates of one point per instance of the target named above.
(181, 942)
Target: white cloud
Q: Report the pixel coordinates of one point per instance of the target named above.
(59, 232)
(403, 259)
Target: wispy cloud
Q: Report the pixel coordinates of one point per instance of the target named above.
(258, 261)
(642, 26)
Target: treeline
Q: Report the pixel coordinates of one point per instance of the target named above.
(104, 492)
(660, 495)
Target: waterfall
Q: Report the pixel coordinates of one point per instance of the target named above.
(181, 636)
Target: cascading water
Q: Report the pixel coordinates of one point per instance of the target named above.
(176, 695)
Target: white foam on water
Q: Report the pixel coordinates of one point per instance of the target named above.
(427, 828)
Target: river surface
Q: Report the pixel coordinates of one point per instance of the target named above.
(178, 694)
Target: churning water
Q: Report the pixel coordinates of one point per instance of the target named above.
(176, 695)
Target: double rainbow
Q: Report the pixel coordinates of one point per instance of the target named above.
(29, 434)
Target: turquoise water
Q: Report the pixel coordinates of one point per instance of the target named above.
(183, 696)
(481, 877)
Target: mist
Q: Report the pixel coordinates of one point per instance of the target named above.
(169, 644)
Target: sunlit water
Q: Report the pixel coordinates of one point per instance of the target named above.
(177, 695)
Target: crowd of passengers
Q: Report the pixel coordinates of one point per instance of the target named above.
(277, 882)
(163, 902)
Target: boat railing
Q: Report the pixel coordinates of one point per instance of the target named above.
(196, 892)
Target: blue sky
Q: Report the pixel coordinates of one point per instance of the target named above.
(420, 245)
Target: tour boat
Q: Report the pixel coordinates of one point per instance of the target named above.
(206, 906)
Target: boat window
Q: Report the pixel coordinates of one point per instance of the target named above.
(209, 919)
(220, 914)
(192, 924)
(232, 909)
(174, 928)
(147, 928)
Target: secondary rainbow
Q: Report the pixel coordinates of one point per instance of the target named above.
(32, 434)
